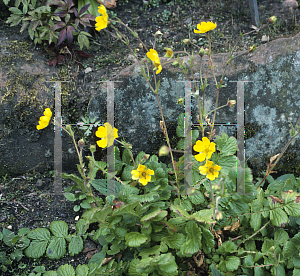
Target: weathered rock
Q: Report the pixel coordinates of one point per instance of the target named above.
(271, 98)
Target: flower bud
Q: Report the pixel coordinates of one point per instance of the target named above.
(231, 103)
(219, 215)
(92, 148)
(216, 187)
(81, 143)
(180, 101)
(201, 52)
(163, 151)
(157, 33)
(273, 19)
(186, 41)
(146, 156)
(252, 48)
(175, 63)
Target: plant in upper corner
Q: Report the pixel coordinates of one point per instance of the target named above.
(44, 22)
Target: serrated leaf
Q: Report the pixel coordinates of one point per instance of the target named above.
(175, 241)
(36, 249)
(56, 249)
(66, 270)
(255, 221)
(59, 228)
(75, 245)
(135, 239)
(82, 270)
(40, 234)
(193, 243)
(196, 198)
(151, 215)
(232, 263)
(281, 236)
(204, 216)
(278, 216)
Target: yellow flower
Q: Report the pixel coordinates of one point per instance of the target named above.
(142, 174)
(108, 134)
(206, 149)
(153, 56)
(101, 20)
(169, 53)
(44, 120)
(205, 27)
(210, 170)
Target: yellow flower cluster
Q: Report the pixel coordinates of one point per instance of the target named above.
(153, 56)
(101, 21)
(206, 149)
(44, 120)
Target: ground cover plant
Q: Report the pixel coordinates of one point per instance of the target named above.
(151, 229)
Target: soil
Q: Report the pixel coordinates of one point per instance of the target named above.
(28, 200)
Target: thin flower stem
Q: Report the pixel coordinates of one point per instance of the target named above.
(271, 167)
(168, 142)
(254, 233)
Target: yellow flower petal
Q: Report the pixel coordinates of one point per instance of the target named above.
(205, 27)
(108, 134)
(200, 157)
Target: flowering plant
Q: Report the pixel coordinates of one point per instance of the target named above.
(151, 221)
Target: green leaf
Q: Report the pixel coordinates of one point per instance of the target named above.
(83, 40)
(255, 221)
(195, 136)
(248, 261)
(8, 236)
(73, 177)
(180, 131)
(70, 196)
(75, 245)
(40, 234)
(139, 157)
(126, 158)
(227, 247)
(15, 10)
(197, 198)
(204, 216)
(132, 268)
(232, 263)
(180, 144)
(175, 241)
(65, 270)
(208, 240)
(259, 271)
(82, 270)
(151, 215)
(278, 216)
(111, 187)
(226, 163)
(292, 209)
(56, 249)
(59, 228)
(114, 249)
(289, 249)
(281, 236)
(215, 272)
(36, 249)
(126, 174)
(193, 243)
(135, 239)
(167, 265)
